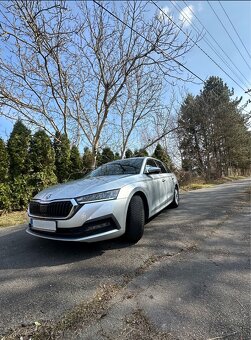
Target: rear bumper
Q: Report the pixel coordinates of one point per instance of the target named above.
(91, 223)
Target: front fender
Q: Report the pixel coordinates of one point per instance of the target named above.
(129, 191)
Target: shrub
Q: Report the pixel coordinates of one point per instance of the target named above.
(41, 180)
(21, 192)
(5, 195)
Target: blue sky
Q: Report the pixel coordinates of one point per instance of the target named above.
(239, 13)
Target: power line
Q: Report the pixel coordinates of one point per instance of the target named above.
(211, 46)
(198, 45)
(224, 60)
(131, 28)
(234, 28)
(159, 49)
(228, 34)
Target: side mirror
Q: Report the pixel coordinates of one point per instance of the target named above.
(150, 170)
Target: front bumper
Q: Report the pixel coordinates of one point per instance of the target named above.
(93, 222)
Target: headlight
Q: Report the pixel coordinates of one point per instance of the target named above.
(99, 196)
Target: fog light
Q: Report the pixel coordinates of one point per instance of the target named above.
(95, 226)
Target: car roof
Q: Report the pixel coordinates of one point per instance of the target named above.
(145, 157)
(132, 158)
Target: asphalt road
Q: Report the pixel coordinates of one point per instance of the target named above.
(207, 237)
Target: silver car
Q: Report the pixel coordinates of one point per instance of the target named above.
(113, 200)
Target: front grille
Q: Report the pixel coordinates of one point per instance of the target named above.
(58, 209)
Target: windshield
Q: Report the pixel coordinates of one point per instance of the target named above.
(121, 167)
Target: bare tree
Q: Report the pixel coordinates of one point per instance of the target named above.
(136, 105)
(35, 38)
(115, 54)
(160, 125)
(67, 70)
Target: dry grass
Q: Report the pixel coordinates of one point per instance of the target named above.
(195, 186)
(13, 218)
(200, 183)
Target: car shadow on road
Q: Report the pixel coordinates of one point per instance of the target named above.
(21, 251)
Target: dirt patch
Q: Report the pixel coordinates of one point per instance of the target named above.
(137, 326)
(80, 316)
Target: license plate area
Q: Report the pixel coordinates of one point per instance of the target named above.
(44, 225)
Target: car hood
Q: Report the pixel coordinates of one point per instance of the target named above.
(85, 186)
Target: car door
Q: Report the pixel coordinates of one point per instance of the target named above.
(156, 188)
(167, 180)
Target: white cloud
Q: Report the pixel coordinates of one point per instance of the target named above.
(186, 15)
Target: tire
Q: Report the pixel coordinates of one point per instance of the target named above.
(175, 202)
(135, 220)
